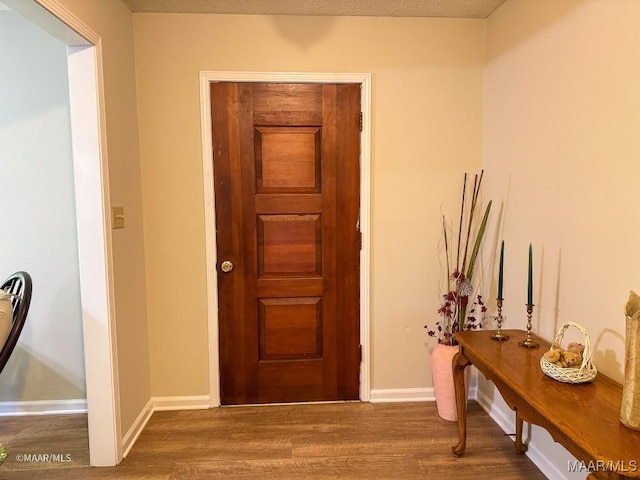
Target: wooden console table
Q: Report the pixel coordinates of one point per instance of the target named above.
(583, 418)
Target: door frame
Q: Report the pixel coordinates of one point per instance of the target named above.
(95, 250)
(364, 79)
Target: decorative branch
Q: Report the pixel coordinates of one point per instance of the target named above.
(446, 250)
(464, 191)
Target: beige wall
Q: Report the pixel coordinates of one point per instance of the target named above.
(561, 116)
(112, 21)
(427, 98)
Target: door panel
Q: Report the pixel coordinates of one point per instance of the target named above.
(286, 172)
(288, 159)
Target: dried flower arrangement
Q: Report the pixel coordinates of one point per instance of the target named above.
(456, 312)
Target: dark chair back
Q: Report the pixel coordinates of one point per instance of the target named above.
(20, 285)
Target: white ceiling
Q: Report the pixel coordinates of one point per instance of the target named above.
(377, 8)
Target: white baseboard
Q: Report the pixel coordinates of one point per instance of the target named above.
(402, 395)
(505, 418)
(136, 428)
(43, 407)
(193, 402)
(425, 394)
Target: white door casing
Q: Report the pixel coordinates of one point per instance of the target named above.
(364, 79)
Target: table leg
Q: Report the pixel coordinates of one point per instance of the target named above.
(520, 447)
(459, 363)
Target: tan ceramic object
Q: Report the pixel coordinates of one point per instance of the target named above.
(630, 409)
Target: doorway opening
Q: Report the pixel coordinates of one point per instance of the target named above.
(93, 222)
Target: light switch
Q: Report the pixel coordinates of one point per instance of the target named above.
(117, 217)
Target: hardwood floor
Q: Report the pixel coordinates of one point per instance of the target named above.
(307, 441)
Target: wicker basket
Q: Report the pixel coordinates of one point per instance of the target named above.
(587, 370)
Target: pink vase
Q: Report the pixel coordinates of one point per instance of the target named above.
(445, 392)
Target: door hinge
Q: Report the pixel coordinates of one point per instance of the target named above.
(360, 240)
(360, 352)
(361, 121)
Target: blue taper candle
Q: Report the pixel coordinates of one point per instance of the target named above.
(500, 271)
(530, 283)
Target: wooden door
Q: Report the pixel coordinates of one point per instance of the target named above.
(287, 193)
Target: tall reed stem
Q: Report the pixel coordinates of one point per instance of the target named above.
(464, 191)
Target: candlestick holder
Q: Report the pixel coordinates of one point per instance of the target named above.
(528, 342)
(499, 336)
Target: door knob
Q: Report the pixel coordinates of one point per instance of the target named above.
(226, 266)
